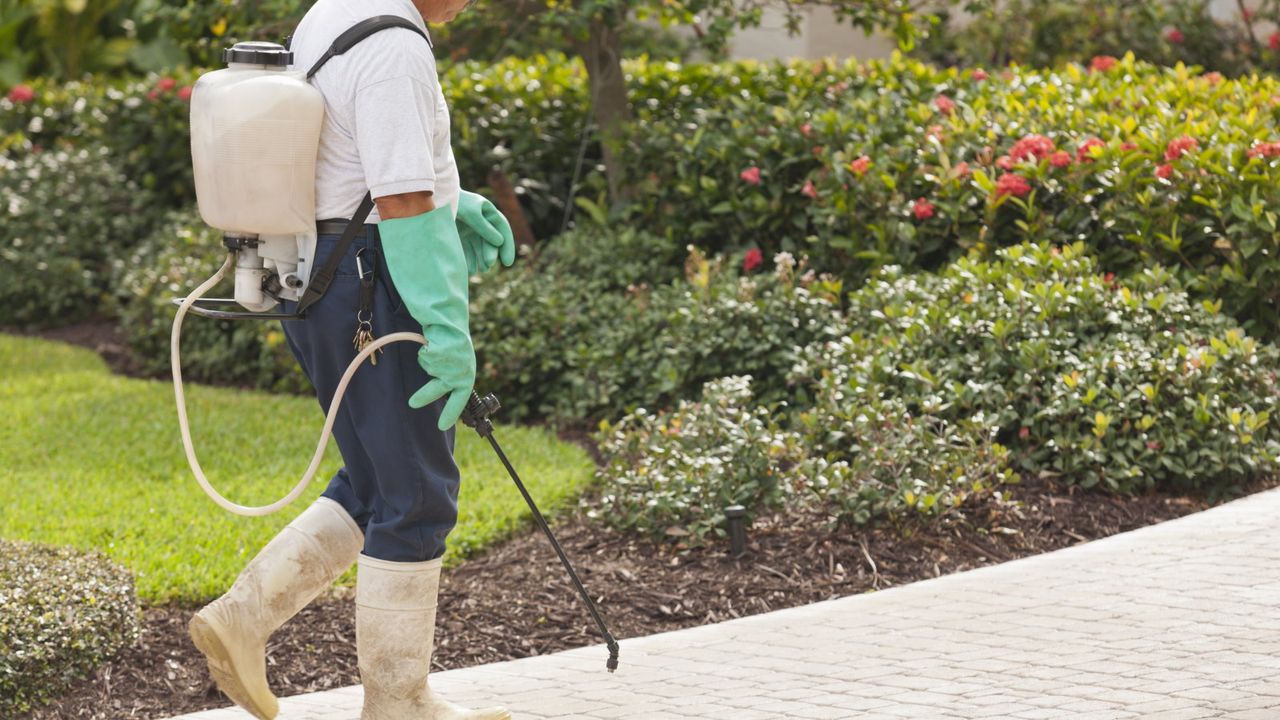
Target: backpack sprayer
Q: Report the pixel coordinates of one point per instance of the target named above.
(255, 131)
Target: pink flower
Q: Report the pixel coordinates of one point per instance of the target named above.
(21, 94)
(860, 166)
(809, 189)
(1164, 172)
(1179, 147)
(1266, 149)
(184, 93)
(1273, 41)
(152, 95)
(1175, 36)
(806, 129)
(1084, 153)
(934, 131)
(1213, 78)
(1031, 146)
(944, 104)
(1060, 159)
(1010, 184)
(979, 75)
(962, 170)
(922, 209)
(1102, 63)
(752, 260)
(1024, 433)
(1004, 162)
(166, 84)
(751, 175)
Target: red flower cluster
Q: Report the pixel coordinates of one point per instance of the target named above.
(860, 166)
(1060, 159)
(1102, 63)
(1084, 153)
(751, 175)
(752, 260)
(922, 209)
(1179, 147)
(1010, 184)
(1213, 78)
(1175, 36)
(962, 170)
(979, 75)
(166, 84)
(809, 189)
(806, 129)
(21, 94)
(184, 93)
(1031, 146)
(1164, 172)
(944, 104)
(1273, 41)
(1266, 149)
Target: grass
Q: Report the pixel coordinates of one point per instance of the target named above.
(95, 460)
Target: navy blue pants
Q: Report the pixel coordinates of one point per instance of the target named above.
(399, 481)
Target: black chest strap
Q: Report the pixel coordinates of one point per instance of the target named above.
(323, 276)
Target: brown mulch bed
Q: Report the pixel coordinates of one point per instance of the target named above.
(516, 601)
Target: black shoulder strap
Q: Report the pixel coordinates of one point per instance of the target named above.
(361, 30)
(323, 276)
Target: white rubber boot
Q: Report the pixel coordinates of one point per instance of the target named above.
(395, 636)
(296, 566)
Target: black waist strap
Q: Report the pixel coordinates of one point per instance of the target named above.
(323, 275)
(337, 226)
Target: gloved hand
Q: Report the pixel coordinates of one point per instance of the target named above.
(425, 258)
(485, 233)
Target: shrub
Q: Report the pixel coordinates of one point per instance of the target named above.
(562, 342)
(1124, 383)
(171, 263)
(1045, 33)
(66, 214)
(891, 465)
(61, 614)
(672, 474)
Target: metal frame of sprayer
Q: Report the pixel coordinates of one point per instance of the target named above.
(272, 268)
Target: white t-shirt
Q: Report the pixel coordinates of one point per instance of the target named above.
(386, 124)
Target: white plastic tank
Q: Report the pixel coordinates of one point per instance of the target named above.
(255, 131)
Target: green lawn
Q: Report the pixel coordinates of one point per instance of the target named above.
(95, 460)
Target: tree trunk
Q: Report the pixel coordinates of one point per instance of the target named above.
(602, 55)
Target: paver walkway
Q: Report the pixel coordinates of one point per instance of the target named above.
(1179, 620)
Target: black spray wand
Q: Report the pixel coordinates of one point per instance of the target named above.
(476, 415)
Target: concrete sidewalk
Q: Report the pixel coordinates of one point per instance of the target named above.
(1178, 620)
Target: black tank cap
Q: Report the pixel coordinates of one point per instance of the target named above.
(258, 53)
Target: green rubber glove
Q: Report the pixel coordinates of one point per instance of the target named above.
(485, 233)
(424, 255)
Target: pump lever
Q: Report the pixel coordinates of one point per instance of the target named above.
(476, 415)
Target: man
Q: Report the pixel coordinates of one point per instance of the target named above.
(386, 131)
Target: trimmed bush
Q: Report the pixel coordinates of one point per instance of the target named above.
(62, 613)
(1086, 377)
(674, 473)
(66, 214)
(566, 342)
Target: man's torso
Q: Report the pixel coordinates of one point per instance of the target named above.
(341, 177)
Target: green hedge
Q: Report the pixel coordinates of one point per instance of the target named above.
(62, 613)
(67, 215)
(946, 386)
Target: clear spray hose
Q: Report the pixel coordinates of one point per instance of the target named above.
(180, 396)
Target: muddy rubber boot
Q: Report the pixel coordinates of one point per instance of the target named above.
(395, 636)
(296, 566)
